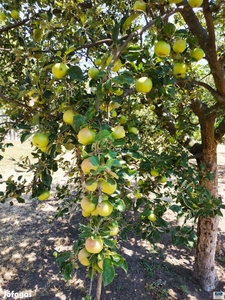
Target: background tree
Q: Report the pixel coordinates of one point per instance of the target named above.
(74, 66)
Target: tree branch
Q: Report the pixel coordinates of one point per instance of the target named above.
(19, 23)
(5, 98)
(220, 99)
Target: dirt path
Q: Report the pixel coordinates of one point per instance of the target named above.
(28, 238)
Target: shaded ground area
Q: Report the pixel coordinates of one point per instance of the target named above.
(28, 239)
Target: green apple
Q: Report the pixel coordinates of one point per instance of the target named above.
(152, 107)
(15, 14)
(123, 120)
(113, 113)
(140, 5)
(179, 46)
(68, 116)
(162, 179)
(59, 70)
(179, 69)
(40, 140)
(44, 196)
(133, 130)
(195, 3)
(143, 85)
(98, 62)
(154, 172)
(2, 16)
(152, 217)
(162, 49)
(93, 72)
(118, 132)
(197, 53)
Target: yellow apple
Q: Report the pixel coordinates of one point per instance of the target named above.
(195, 3)
(94, 245)
(87, 205)
(85, 214)
(179, 69)
(133, 130)
(154, 172)
(143, 85)
(118, 132)
(59, 70)
(93, 72)
(2, 16)
(114, 230)
(104, 209)
(68, 116)
(87, 166)
(108, 187)
(40, 140)
(179, 46)
(123, 120)
(91, 185)
(86, 136)
(82, 256)
(15, 14)
(139, 5)
(44, 196)
(98, 62)
(162, 179)
(162, 49)
(152, 217)
(197, 53)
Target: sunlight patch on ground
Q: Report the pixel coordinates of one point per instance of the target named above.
(31, 256)
(128, 252)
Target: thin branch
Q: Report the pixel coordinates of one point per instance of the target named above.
(5, 98)
(19, 23)
(220, 99)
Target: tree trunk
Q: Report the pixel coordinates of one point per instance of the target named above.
(207, 228)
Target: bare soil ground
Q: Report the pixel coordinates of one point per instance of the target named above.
(28, 240)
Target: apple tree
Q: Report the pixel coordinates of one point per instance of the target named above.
(135, 91)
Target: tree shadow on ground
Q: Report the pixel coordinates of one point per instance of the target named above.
(28, 241)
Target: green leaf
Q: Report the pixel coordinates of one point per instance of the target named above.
(102, 134)
(46, 178)
(62, 257)
(109, 243)
(120, 205)
(75, 73)
(37, 34)
(94, 160)
(68, 269)
(25, 136)
(115, 32)
(108, 273)
(78, 121)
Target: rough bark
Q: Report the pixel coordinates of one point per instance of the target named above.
(207, 228)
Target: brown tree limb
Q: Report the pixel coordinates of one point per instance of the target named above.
(207, 42)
